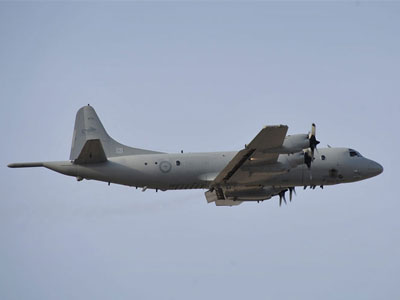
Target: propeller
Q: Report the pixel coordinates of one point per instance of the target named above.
(282, 196)
(291, 191)
(308, 158)
(313, 140)
(309, 153)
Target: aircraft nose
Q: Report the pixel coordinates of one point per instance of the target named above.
(374, 168)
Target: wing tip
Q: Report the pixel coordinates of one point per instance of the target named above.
(275, 126)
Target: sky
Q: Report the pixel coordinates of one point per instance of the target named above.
(199, 77)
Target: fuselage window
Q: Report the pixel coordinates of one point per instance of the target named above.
(323, 157)
(178, 163)
(145, 163)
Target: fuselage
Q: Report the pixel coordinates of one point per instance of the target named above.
(197, 170)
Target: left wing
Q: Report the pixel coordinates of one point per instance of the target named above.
(258, 152)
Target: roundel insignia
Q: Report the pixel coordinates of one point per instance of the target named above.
(165, 166)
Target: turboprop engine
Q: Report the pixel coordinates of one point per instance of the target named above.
(295, 143)
(299, 149)
(302, 147)
(296, 159)
(298, 142)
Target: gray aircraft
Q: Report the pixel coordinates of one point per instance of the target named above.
(272, 164)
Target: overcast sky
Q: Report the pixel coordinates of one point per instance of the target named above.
(197, 77)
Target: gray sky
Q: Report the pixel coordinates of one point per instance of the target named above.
(198, 77)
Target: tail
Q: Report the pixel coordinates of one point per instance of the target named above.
(88, 127)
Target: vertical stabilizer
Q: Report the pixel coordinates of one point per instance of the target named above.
(88, 127)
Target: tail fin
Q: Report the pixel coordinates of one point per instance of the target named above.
(89, 127)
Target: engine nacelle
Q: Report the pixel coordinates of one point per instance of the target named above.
(296, 159)
(295, 143)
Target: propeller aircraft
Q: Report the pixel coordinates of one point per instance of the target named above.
(272, 164)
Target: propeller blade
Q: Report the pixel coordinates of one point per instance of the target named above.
(313, 129)
(313, 140)
(282, 197)
(308, 158)
(291, 191)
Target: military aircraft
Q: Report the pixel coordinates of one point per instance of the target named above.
(272, 164)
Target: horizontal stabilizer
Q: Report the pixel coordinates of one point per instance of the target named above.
(92, 152)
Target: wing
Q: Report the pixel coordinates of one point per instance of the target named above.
(260, 152)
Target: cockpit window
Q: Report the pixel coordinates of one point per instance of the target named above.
(354, 153)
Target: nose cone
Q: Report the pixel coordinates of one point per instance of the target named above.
(374, 168)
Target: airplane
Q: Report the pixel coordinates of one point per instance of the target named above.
(272, 164)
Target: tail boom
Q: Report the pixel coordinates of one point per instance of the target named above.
(26, 165)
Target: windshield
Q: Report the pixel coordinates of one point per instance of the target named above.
(354, 153)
